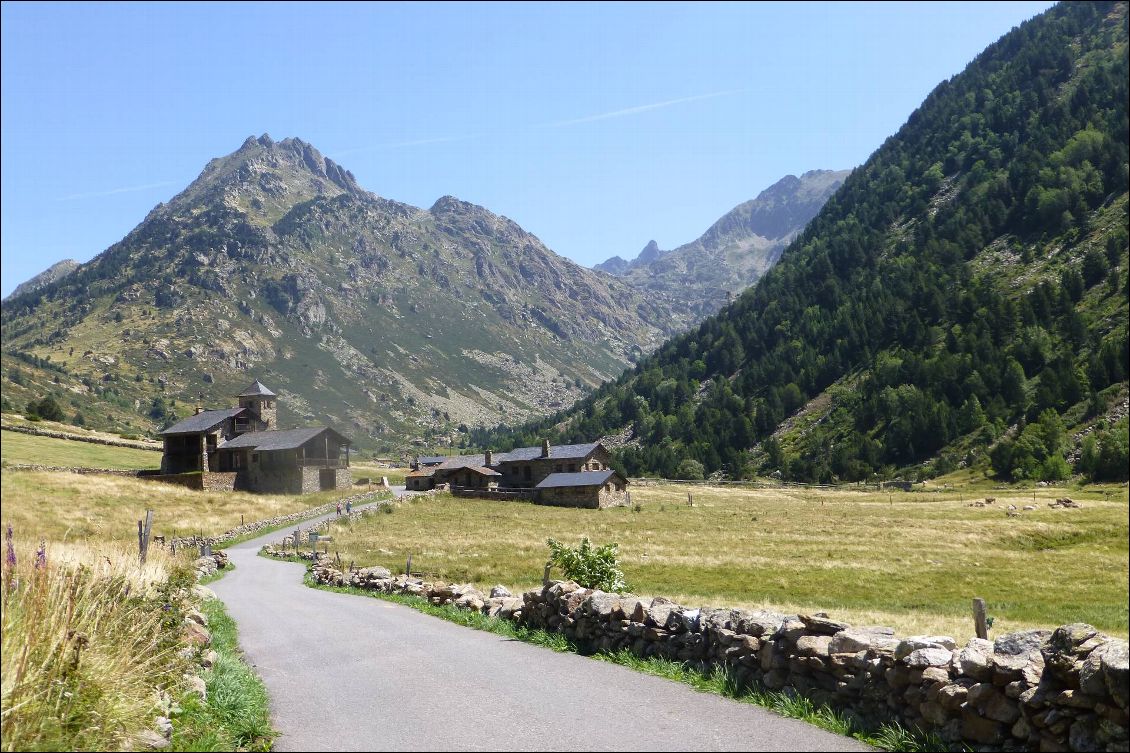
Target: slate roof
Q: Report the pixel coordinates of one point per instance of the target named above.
(420, 473)
(431, 459)
(464, 461)
(202, 421)
(556, 452)
(480, 470)
(257, 390)
(286, 439)
(583, 478)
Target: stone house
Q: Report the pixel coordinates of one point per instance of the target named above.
(571, 470)
(593, 489)
(247, 447)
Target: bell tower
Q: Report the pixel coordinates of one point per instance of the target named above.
(263, 403)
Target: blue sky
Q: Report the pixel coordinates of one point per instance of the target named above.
(596, 127)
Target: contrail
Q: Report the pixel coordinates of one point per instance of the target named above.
(112, 191)
(640, 108)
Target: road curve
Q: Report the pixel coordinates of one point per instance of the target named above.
(352, 673)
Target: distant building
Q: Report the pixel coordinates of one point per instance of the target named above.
(245, 445)
(574, 475)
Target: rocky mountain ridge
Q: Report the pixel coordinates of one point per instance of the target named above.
(699, 277)
(395, 322)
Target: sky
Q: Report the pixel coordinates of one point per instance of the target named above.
(597, 127)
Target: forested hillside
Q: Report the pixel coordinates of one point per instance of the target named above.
(961, 299)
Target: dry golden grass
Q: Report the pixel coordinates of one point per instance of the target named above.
(909, 560)
(72, 507)
(86, 645)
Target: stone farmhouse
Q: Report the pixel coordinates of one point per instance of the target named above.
(243, 448)
(573, 475)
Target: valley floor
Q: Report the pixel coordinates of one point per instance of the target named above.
(910, 560)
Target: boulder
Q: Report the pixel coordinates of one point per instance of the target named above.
(929, 657)
(203, 592)
(976, 659)
(1021, 643)
(909, 645)
(198, 617)
(150, 740)
(821, 625)
(850, 642)
(500, 592)
(659, 611)
(758, 622)
(195, 685)
(209, 658)
(814, 645)
(374, 573)
(603, 606)
(195, 634)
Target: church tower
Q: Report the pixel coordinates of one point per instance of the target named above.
(262, 402)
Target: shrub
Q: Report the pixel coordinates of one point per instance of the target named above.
(691, 470)
(591, 567)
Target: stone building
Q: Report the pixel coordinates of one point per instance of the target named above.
(571, 470)
(246, 445)
(593, 489)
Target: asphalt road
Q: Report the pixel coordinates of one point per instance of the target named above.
(352, 673)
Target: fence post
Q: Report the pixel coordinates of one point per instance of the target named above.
(980, 622)
(408, 566)
(143, 531)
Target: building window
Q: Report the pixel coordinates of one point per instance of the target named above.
(557, 468)
(527, 473)
(254, 457)
(572, 468)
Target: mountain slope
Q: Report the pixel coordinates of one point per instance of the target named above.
(391, 321)
(699, 277)
(56, 271)
(962, 298)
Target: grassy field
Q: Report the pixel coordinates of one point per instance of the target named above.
(362, 469)
(67, 506)
(909, 560)
(27, 448)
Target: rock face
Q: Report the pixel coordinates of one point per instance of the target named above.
(386, 319)
(968, 696)
(701, 276)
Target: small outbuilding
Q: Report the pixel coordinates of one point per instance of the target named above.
(420, 480)
(593, 489)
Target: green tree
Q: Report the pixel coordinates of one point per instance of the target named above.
(690, 470)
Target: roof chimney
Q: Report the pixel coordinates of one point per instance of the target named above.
(545, 448)
(199, 410)
(489, 460)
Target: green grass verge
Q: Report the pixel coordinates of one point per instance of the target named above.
(235, 715)
(891, 736)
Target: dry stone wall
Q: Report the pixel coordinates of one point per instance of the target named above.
(1066, 689)
(259, 525)
(73, 469)
(35, 430)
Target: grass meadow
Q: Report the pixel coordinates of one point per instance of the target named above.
(73, 507)
(910, 560)
(30, 449)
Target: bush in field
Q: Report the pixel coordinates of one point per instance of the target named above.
(591, 567)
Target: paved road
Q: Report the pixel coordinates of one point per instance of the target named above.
(351, 673)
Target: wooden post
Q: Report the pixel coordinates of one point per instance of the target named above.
(241, 523)
(690, 500)
(143, 532)
(408, 565)
(980, 622)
